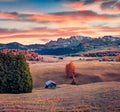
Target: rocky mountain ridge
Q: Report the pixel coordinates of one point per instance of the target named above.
(71, 45)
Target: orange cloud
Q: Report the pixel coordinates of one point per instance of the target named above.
(107, 29)
(111, 6)
(45, 34)
(82, 6)
(37, 33)
(80, 19)
(8, 15)
(80, 16)
(63, 24)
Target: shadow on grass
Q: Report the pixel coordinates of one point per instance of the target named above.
(111, 76)
(86, 79)
(39, 81)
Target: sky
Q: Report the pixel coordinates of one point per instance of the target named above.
(39, 21)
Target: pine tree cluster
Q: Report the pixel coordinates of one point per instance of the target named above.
(14, 74)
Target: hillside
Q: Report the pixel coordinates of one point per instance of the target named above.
(98, 97)
(98, 88)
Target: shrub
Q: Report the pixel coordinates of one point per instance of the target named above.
(70, 69)
(117, 58)
(105, 58)
(14, 74)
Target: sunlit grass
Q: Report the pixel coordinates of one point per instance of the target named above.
(103, 96)
(88, 97)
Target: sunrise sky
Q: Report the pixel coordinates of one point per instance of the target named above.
(39, 21)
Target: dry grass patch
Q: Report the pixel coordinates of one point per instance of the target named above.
(103, 97)
(88, 72)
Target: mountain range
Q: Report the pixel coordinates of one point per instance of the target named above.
(74, 44)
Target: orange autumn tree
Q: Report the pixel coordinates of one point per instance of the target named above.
(70, 69)
(117, 58)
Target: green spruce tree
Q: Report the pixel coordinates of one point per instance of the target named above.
(14, 74)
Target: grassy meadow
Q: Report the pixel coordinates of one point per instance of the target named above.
(87, 72)
(98, 88)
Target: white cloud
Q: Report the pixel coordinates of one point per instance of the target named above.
(19, 25)
(105, 24)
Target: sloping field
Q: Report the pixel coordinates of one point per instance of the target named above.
(98, 89)
(88, 72)
(96, 97)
